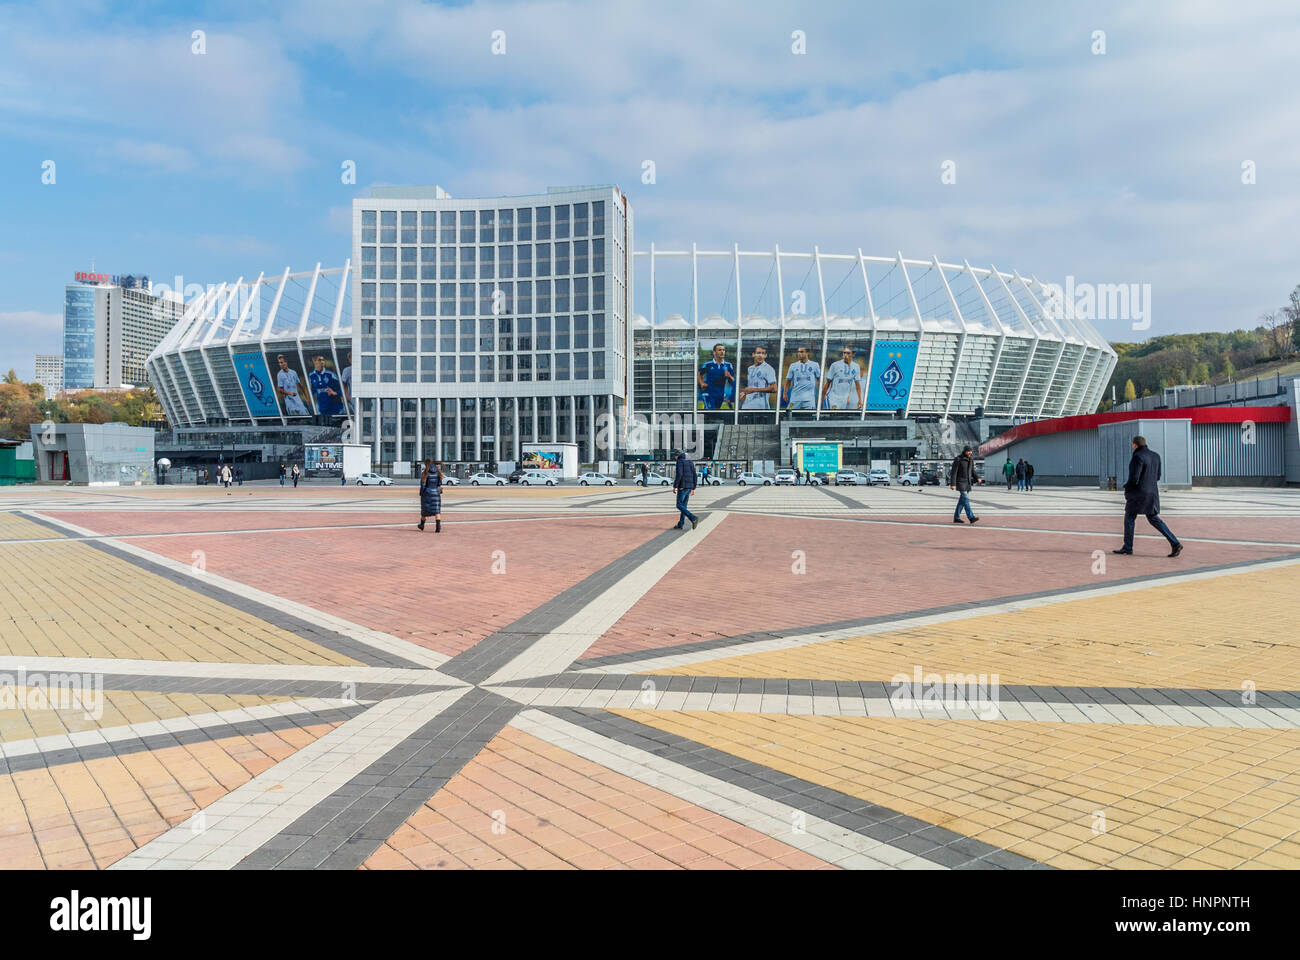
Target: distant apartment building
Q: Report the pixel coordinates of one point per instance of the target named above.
(49, 373)
(111, 324)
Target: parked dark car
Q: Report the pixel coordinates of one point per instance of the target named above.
(929, 478)
(823, 479)
(514, 477)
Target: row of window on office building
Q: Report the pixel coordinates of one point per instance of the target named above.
(484, 226)
(479, 429)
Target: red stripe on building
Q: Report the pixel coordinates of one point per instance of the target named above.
(1091, 421)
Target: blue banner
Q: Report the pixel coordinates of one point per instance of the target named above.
(256, 384)
(892, 365)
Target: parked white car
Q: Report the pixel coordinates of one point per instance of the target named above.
(596, 480)
(449, 481)
(785, 476)
(757, 479)
(654, 480)
(373, 480)
(487, 480)
(910, 479)
(535, 478)
(878, 478)
(852, 478)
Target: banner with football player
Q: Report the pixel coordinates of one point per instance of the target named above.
(758, 391)
(715, 374)
(290, 386)
(892, 365)
(801, 372)
(844, 382)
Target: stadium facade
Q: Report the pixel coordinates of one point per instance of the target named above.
(483, 324)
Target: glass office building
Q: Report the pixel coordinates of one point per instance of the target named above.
(483, 324)
(78, 336)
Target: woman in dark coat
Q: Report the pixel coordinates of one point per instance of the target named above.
(431, 495)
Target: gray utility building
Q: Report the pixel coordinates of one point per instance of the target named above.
(1198, 446)
(94, 454)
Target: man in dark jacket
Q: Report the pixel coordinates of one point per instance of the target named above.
(1142, 496)
(1020, 474)
(684, 485)
(960, 478)
(1029, 476)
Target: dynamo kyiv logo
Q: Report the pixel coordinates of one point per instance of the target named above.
(891, 379)
(255, 385)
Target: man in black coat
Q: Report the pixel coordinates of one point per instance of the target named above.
(1142, 496)
(684, 485)
(960, 478)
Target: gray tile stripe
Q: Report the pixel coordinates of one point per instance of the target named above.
(285, 687)
(894, 520)
(842, 498)
(330, 639)
(936, 844)
(341, 831)
(161, 741)
(719, 643)
(497, 649)
(728, 500)
(880, 690)
(638, 494)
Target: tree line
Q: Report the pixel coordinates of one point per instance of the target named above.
(1203, 358)
(22, 404)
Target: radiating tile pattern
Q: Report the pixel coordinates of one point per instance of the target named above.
(300, 679)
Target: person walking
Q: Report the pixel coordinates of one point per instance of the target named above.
(1020, 474)
(684, 485)
(226, 476)
(1029, 477)
(239, 476)
(431, 494)
(961, 477)
(645, 475)
(1009, 471)
(296, 474)
(282, 474)
(1142, 496)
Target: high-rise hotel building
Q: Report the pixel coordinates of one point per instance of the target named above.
(110, 326)
(483, 324)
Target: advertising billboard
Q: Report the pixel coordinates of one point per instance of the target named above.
(322, 459)
(255, 382)
(820, 457)
(543, 460)
(892, 365)
(290, 384)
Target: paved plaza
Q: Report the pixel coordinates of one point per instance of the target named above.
(271, 678)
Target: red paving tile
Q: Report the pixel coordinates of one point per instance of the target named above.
(129, 522)
(740, 579)
(437, 590)
(522, 802)
(1269, 529)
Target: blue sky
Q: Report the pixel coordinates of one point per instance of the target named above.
(1123, 167)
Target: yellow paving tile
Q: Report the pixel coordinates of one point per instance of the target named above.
(68, 599)
(1217, 633)
(14, 527)
(48, 714)
(1096, 805)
